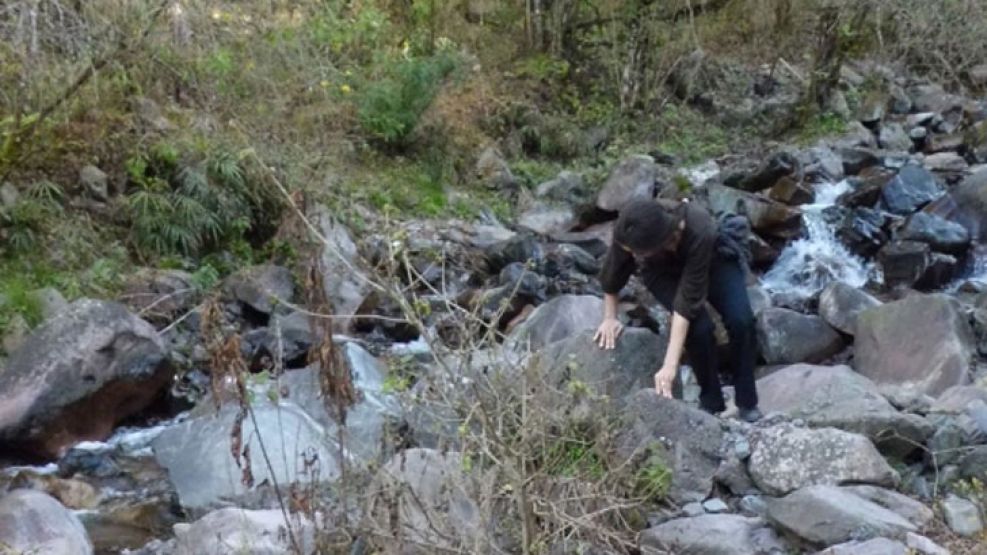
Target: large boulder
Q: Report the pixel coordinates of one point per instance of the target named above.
(422, 501)
(768, 217)
(824, 515)
(904, 263)
(840, 398)
(558, 319)
(262, 287)
(235, 530)
(876, 546)
(861, 229)
(940, 234)
(77, 376)
(776, 167)
(632, 179)
(712, 535)
(911, 189)
(343, 279)
(840, 304)
(967, 204)
(922, 342)
(786, 458)
(33, 522)
(546, 218)
(788, 337)
(688, 440)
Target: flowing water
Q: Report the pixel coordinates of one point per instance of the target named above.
(807, 265)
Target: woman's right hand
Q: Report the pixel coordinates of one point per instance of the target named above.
(608, 332)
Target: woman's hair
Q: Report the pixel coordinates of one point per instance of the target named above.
(643, 225)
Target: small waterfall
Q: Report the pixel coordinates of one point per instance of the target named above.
(807, 265)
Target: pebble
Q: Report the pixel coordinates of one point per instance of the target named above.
(715, 505)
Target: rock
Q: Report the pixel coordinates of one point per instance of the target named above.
(893, 137)
(932, 98)
(942, 235)
(95, 183)
(977, 75)
(906, 507)
(866, 188)
(911, 189)
(632, 179)
(855, 160)
(828, 163)
(545, 218)
(567, 187)
(77, 376)
(150, 115)
(872, 110)
(786, 458)
(944, 143)
(394, 325)
(787, 337)
(687, 439)
(712, 535)
(15, 334)
(8, 195)
(715, 505)
(217, 477)
(159, 295)
(73, 494)
(923, 545)
(422, 499)
(839, 305)
(343, 279)
(876, 546)
(904, 263)
(840, 398)
(767, 217)
(561, 318)
(219, 532)
(956, 399)
(901, 103)
(968, 204)
(962, 516)
(828, 515)
(791, 192)
(33, 522)
(918, 134)
(754, 505)
(920, 118)
(922, 342)
(769, 173)
(493, 172)
(760, 299)
(693, 509)
(974, 463)
(522, 248)
(945, 162)
(262, 287)
(51, 302)
(860, 229)
(943, 269)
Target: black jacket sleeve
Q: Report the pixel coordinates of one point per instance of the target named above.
(694, 283)
(618, 266)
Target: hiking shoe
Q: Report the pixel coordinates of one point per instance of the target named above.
(750, 415)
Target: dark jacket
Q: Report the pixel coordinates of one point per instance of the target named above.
(688, 265)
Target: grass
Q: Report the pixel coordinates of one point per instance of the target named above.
(824, 125)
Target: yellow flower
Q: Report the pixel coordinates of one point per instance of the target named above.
(324, 84)
(217, 14)
(345, 89)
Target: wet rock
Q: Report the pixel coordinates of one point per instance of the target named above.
(962, 516)
(95, 182)
(767, 217)
(911, 189)
(826, 162)
(866, 188)
(942, 235)
(77, 376)
(840, 304)
(631, 179)
(786, 458)
(712, 535)
(558, 319)
(791, 192)
(828, 515)
(687, 439)
(262, 287)
(903, 263)
(922, 342)
(265, 532)
(33, 522)
(788, 337)
(893, 137)
(860, 229)
(838, 397)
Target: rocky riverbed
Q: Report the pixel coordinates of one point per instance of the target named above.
(870, 292)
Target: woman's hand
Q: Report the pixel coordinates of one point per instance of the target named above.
(664, 380)
(608, 332)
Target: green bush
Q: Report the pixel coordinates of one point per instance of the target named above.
(389, 109)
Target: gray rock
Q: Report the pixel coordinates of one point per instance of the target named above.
(159, 295)
(760, 299)
(754, 505)
(343, 279)
(945, 162)
(840, 304)
(856, 136)
(423, 500)
(776, 167)
(872, 110)
(858, 159)
(923, 545)
(828, 515)
(946, 444)
(967, 204)
(893, 137)
(922, 342)
(876, 546)
(732, 474)
(901, 103)
(8, 195)
(921, 118)
(828, 162)
(566, 187)
(715, 505)
(494, 172)
(546, 218)
(632, 179)
(840, 398)
(79, 374)
(95, 183)
(904, 263)
(558, 319)
(712, 535)
(788, 337)
(33, 522)
(52, 302)
(911, 189)
(942, 235)
(918, 133)
(262, 287)
(768, 217)
(962, 516)
(693, 509)
(688, 440)
(909, 509)
(786, 458)
(234, 530)
(932, 98)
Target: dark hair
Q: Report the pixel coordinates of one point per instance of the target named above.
(643, 225)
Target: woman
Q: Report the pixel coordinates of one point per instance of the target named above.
(684, 261)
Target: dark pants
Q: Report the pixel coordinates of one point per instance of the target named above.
(728, 295)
